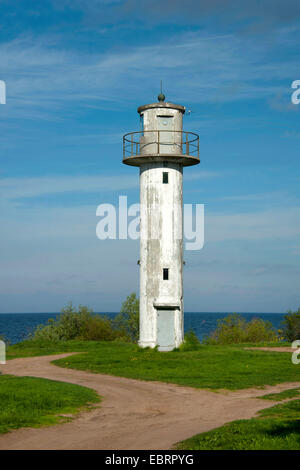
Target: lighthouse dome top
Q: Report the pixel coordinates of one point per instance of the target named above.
(161, 97)
(161, 104)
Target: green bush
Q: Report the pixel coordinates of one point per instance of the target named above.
(127, 321)
(235, 329)
(78, 324)
(191, 341)
(97, 328)
(291, 325)
(82, 324)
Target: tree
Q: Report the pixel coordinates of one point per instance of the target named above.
(127, 320)
(291, 325)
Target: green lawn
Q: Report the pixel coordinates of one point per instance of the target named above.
(30, 348)
(291, 393)
(276, 428)
(33, 402)
(214, 367)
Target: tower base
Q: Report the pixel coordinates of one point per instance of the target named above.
(147, 344)
(165, 348)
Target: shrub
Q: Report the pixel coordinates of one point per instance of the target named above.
(291, 325)
(127, 321)
(191, 341)
(83, 325)
(67, 325)
(76, 324)
(235, 329)
(259, 330)
(97, 328)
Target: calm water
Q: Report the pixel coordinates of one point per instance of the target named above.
(16, 326)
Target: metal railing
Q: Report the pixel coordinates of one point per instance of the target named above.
(160, 142)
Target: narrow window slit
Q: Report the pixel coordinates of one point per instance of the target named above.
(165, 177)
(165, 274)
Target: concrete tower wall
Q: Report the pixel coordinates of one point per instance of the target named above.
(161, 248)
(161, 150)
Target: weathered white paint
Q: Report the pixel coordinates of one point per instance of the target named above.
(152, 141)
(161, 245)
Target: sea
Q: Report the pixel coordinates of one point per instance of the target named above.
(16, 327)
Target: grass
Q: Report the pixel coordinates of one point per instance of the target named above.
(34, 402)
(213, 367)
(286, 394)
(276, 428)
(30, 348)
(39, 401)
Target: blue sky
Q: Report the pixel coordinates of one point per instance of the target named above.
(76, 71)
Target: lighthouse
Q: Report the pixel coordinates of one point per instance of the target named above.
(161, 149)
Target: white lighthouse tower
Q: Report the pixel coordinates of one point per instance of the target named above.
(161, 149)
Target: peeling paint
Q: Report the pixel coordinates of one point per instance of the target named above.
(161, 245)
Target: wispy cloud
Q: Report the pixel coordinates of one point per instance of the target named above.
(16, 189)
(271, 196)
(75, 71)
(278, 223)
(43, 77)
(251, 16)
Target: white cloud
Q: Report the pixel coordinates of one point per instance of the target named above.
(278, 223)
(53, 255)
(41, 74)
(20, 188)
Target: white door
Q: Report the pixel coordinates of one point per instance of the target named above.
(165, 329)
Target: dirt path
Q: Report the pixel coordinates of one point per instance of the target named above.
(274, 349)
(134, 414)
